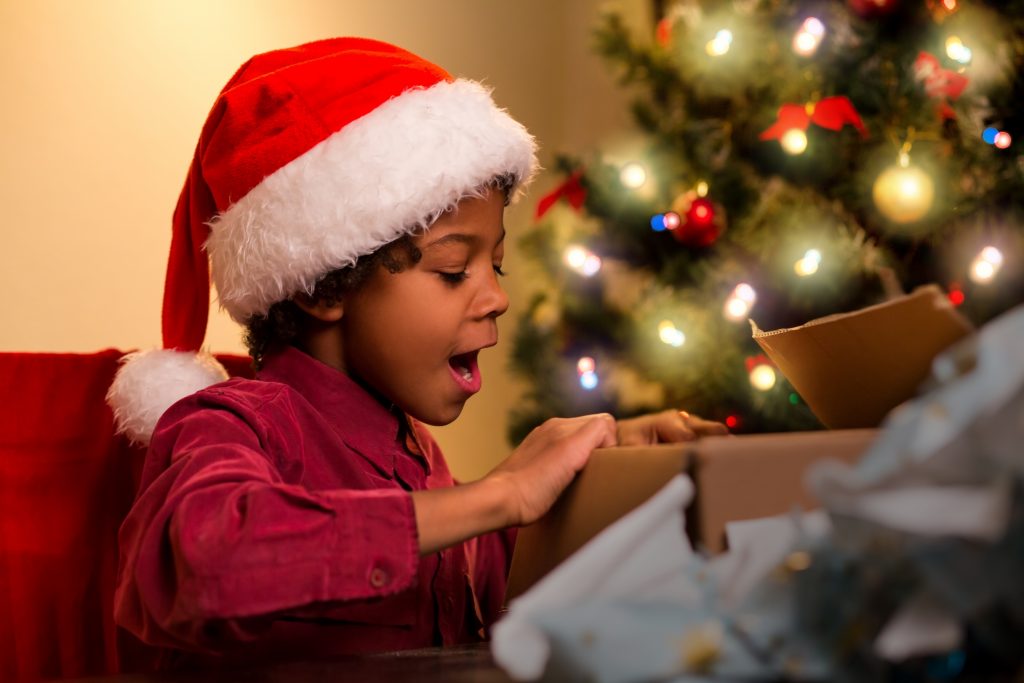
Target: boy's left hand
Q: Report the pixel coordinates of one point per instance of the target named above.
(666, 426)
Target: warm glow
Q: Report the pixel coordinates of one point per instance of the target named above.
(762, 377)
(668, 333)
(957, 51)
(736, 309)
(739, 303)
(702, 189)
(585, 364)
(808, 265)
(720, 44)
(672, 220)
(1002, 140)
(794, 141)
(582, 260)
(633, 175)
(986, 264)
(808, 37)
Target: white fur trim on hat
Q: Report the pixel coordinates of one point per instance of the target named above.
(150, 382)
(390, 172)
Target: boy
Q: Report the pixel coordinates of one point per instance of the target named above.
(348, 196)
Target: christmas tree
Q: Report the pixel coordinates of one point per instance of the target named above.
(799, 159)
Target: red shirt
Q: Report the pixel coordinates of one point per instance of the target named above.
(274, 521)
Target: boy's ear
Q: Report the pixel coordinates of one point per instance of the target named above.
(321, 310)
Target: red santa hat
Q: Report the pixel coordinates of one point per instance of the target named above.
(311, 157)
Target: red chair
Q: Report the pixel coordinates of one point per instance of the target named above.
(66, 482)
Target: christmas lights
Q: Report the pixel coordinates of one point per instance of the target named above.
(986, 265)
(582, 260)
(633, 175)
(586, 368)
(720, 44)
(669, 334)
(808, 37)
(808, 265)
(739, 303)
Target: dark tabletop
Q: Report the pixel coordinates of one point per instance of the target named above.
(434, 665)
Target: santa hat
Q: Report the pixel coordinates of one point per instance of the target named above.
(310, 158)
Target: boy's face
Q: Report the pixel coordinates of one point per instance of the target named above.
(414, 336)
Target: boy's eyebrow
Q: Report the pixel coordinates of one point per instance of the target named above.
(458, 238)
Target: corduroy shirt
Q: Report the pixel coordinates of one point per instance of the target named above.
(274, 520)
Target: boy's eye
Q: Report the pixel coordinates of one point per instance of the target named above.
(453, 278)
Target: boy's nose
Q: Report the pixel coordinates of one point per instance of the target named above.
(493, 301)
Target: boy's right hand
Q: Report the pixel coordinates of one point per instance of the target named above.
(532, 478)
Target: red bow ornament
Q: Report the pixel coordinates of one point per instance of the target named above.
(832, 113)
(572, 190)
(938, 82)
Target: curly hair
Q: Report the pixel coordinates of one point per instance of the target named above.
(280, 325)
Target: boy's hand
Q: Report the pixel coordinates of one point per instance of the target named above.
(666, 426)
(532, 478)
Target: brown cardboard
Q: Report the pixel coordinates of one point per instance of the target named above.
(759, 475)
(736, 477)
(853, 368)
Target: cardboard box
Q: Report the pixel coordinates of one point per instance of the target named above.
(736, 477)
(853, 368)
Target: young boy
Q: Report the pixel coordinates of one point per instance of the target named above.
(348, 196)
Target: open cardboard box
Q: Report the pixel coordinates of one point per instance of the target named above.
(735, 477)
(851, 369)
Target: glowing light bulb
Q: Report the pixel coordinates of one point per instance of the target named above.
(808, 265)
(986, 265)
(989, 135)
(668, 333)
(957, 51)
(720, 44)
(585, 364)
(1002, 140)
(808, 37)
(588, 380)
(732, 421)
(672, 220)
(794, 141)
(702, 189)
(582, 260)
(762, 377)
(633, 175)
(739, 303)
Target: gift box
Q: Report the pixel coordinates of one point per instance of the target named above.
(735, 477)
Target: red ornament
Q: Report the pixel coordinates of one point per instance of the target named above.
(663, 32)
(832, 113)
(700, 226)
(701, 212)
(571, 190)
(872, 8)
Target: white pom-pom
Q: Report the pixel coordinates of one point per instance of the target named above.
(149, 382)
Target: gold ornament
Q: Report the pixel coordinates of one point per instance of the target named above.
(904, 193)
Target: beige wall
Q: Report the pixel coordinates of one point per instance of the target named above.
(103, 102)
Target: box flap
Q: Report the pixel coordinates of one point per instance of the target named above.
(853, 368)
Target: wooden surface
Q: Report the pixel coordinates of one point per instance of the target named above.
(469, 664)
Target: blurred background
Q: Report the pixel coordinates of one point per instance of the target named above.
(705, 163)
(103, 103)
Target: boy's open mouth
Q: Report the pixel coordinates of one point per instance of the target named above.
(465, 370)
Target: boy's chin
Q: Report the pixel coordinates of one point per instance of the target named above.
(439, 417)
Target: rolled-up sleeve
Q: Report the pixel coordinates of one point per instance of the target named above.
(218, 541)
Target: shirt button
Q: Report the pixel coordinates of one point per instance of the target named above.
(378, 577)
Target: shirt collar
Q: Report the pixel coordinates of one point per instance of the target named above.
(359, 418)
